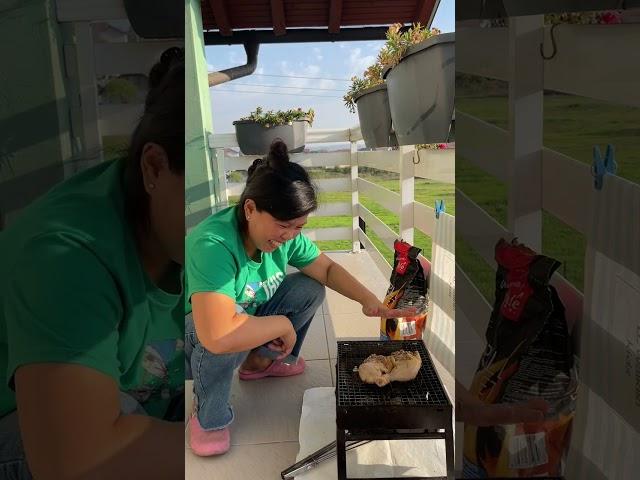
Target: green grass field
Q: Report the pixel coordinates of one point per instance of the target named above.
(572, 126)
(426, 192)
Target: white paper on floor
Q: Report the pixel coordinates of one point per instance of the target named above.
(398, 458)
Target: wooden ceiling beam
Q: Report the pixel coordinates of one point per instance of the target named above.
(278, 18)
(424, 10)
(222, 19)
(335, 16)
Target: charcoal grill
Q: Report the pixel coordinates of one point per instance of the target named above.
(419, 409)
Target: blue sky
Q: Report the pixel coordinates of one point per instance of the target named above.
(328, 67)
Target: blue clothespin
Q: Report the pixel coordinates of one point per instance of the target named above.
(600, 168)
(439, 208)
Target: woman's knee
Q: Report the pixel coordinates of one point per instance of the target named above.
(313, 289)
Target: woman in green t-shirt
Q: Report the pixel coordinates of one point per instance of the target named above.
(92, 311)
(246, 311)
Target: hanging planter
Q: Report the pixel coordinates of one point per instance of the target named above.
(421, 90)
(374, 116)
(369, 96)
(256, 132)
(515, 8)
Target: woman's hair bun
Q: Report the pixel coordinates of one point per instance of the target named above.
(256, 163)
(278, 154)
(167, 59)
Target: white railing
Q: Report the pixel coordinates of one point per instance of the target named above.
(437, 165)
(486, 52)
(86, 60)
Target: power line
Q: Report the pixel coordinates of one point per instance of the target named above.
(310, 78)
(275, 93)
(286, 86)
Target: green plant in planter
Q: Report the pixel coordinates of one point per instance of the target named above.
(431, 146)
(391, 53)
(272, 118)
(398, 42)
(372, 77)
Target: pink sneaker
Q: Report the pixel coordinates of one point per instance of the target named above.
(206, 443)
(276, 369)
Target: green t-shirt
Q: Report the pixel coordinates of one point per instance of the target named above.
(218, 262)
(72, 290)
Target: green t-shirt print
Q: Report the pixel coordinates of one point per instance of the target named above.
(217, 262)
(72, 290)
(258, 292)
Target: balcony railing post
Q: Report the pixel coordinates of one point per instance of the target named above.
(222, 176)
(355, 214)
(407, 191)
(526, 96)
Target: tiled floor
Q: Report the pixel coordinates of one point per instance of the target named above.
(265, 433)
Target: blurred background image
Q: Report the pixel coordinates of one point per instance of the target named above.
(548, 118)
(91, 239)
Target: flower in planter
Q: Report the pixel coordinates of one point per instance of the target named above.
(398, 42)
(280, 117)
(396, 46)
(431, 146)
(372, 77)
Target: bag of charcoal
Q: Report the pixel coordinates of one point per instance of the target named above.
(529, 354)
(409, 288)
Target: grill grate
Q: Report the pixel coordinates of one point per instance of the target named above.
(352, 392)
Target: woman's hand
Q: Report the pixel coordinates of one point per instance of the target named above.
(284, 344)
(473, 411)
(375, 308)
(487, 415)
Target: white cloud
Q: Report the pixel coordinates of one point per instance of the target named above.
(318, 53)
(357, 63)
(210, 67)
(234, 58)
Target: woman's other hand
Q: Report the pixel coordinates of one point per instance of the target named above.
(284, 344)
(486, 415)
(376, 308)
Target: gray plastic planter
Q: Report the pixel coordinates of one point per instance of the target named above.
(514, 8)
(375, 117)
(422, 90)
(477, 9)
(255, 139)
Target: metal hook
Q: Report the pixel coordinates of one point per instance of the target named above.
(553, 44)
(416, 154)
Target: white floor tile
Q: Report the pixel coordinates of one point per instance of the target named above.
(315, 342)
(264, 462)
(268, 410)
(350, 326)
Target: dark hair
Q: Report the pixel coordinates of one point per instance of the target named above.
(162, 123)
(278, 186)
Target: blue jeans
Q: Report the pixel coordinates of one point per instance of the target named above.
(297, 298)
(13, 464)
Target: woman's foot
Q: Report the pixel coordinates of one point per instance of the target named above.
(255, 363)
(206, 443)
(275, 369)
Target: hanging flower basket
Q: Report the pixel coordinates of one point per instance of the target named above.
(374, 116)
(421, 91)
(256, 132)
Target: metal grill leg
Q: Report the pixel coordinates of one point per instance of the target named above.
(448, 444)
(341, 445)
